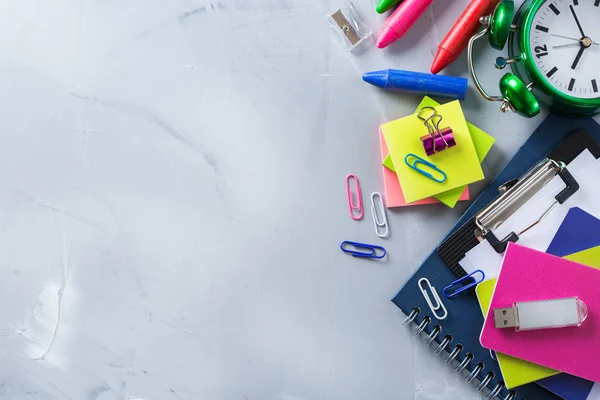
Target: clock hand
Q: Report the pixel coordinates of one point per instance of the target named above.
(565, 45)
(577, 21)
(570, 38)
(578, 57)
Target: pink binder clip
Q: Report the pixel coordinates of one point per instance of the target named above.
(356, 210)
(438, 139)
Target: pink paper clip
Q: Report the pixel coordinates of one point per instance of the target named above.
(354, 208)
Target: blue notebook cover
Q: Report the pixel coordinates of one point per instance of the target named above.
(579, 231)
(465, 321)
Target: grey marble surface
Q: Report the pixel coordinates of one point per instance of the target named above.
(172, 200)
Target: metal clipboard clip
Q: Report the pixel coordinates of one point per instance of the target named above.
(515, 194)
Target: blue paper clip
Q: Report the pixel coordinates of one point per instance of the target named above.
(371, 253)
(462, 288)
(415, 165)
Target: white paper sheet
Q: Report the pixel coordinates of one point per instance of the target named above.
(595, 393)
(585, 168)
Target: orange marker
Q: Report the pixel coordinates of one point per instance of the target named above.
(458, 38)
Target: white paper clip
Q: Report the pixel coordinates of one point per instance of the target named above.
(348, 25)
(379, 223)
(439, 305)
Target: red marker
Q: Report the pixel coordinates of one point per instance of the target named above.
(401, 20)
(458, 38)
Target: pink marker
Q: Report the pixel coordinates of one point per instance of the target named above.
(401, 20)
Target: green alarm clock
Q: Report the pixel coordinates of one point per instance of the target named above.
(554, 53)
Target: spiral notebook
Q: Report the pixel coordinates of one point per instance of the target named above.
(457, 336)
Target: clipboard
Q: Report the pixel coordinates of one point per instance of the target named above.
(513, 194)
(456, 337)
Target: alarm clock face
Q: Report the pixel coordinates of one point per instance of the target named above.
(565, 46)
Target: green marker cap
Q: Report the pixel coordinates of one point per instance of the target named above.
(385, 5)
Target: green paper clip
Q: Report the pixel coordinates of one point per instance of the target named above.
(415, 165)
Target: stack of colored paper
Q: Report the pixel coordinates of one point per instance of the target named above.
(461, 163)
(564, 361)
(577, 240)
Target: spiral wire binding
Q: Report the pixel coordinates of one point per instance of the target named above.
(422, 326)
(474, 373)
(412, 316)
(495, 393)
(464, 363)
(510, 395)
(443, 345)
(436, 331)
(452, 356)
(489, 376)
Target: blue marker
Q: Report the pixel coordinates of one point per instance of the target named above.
(396, 80)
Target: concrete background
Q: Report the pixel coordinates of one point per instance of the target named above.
(172, 201)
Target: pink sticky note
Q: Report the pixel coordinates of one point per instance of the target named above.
(393, 192)
(528, 275)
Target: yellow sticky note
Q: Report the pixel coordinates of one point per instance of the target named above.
(460, 163)
(516, 372)
(481, 140)
(589, 257)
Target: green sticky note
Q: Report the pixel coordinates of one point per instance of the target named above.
(388, 163)
(450, 197)
(481, 141)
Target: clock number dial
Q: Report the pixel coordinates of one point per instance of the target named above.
(541, 51)
(565, 46)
